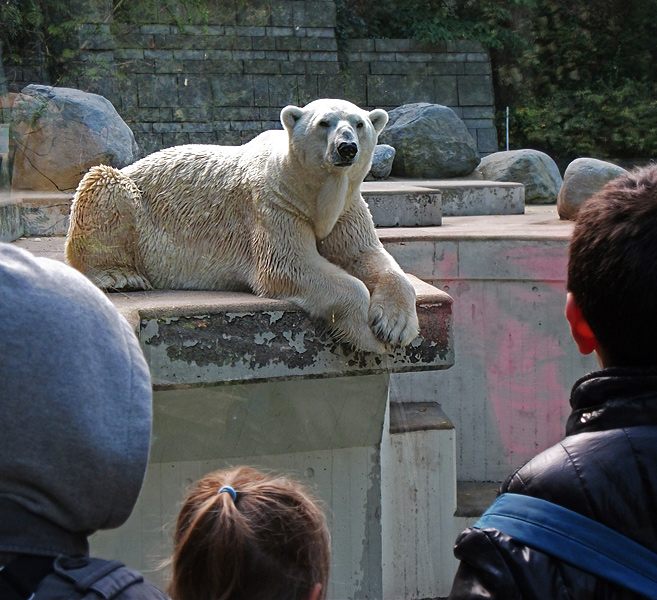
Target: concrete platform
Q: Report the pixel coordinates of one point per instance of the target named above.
(393, 203)
(538, 222)
(207, 338)
(423, 202)
(216, 338)
(30, 213)
(240, 379)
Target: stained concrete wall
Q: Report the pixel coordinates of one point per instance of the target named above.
(246, 380)
(515, 361)
(326, 433)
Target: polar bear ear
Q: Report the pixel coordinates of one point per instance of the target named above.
(379, 118)
(290, 115)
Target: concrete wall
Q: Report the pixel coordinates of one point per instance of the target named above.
(326, 433)
(226, 80)
(506, 396)
(246, 380)
(515, 361)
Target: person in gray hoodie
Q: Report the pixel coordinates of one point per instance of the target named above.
(75, 423)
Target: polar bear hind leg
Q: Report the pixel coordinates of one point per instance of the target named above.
(102, 238)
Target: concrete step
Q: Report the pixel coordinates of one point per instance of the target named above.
(402, 204)
(423, 202)
(45, 213)
(474, 497)
(393, 203)
(11, 225)
(423, 505)
(418, 502)
(33, 214)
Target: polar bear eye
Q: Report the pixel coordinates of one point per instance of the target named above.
(324, 123)
(359, 125)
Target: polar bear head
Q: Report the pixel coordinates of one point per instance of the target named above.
(333, 134)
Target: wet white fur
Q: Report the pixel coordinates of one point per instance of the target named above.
(279, 216)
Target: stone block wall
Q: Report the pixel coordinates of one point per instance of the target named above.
(226, 80)
(389, 73)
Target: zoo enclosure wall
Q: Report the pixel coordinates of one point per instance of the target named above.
(226, 80)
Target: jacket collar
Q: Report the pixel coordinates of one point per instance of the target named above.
(612, 398)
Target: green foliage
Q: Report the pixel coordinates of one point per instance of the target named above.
(579, 77)
(584, 82)
(486, 21)
(614, 122)
(11, 19)
(176, 12)
(40, 31)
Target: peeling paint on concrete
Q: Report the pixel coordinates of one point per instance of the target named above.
(264, 338)
(230, 346)
(274, 316)
(227, 339)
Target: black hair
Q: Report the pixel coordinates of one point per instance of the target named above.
(612, 267)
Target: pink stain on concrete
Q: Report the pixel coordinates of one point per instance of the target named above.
(524, 379)
(549, 261)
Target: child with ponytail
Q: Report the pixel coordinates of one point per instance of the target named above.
(245, 535)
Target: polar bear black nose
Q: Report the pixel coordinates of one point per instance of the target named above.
(347, 150)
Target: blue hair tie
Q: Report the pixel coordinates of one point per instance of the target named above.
(230, 490)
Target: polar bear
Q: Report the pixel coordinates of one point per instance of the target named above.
(281, 216)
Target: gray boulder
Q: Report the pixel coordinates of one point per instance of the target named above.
(382, 160)
(430, 141)
(59, 133)
(583, 178)
(535, 170)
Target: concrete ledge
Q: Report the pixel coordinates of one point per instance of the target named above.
(538, 223)
(533, 246)
(45, 213)
(33, 213)
(407, 417)
(393, 203)
(473, 198)
(209, 338)
(11, 226)
(407, 205)
(424, 202)
(418, 501)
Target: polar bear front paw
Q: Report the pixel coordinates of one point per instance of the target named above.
(392, 316)
(357, 333)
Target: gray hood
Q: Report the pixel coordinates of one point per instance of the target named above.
(75, 408)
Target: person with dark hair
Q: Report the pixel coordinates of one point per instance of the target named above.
(75, 426)
(244, 535)
(579, 520)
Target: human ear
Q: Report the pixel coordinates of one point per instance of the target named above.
(314, 594)
(579, 328)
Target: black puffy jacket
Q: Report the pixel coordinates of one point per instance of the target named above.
(605, 469)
